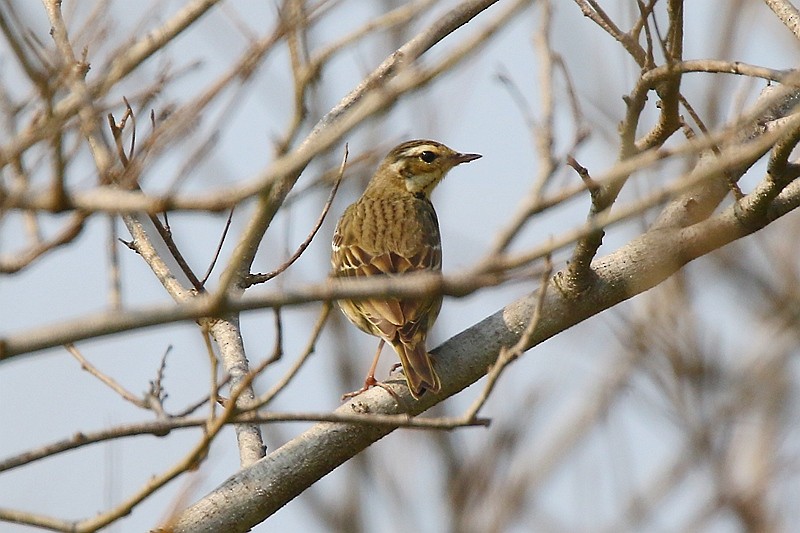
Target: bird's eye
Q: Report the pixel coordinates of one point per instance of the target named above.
(428, 156)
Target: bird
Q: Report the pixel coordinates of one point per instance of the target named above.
(392, 229)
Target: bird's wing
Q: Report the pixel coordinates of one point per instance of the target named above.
(352, 257)
(389, 314)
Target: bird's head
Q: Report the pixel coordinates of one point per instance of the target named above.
(418, 166)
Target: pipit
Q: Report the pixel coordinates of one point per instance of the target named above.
(392, 229)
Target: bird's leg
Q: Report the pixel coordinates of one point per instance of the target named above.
(370, 380)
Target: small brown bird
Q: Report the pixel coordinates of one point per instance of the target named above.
(390, 230)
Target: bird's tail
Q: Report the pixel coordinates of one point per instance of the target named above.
(418, 368)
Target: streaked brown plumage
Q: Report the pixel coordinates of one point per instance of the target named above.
(393, 229)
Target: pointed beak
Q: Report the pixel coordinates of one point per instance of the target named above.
(465, 158)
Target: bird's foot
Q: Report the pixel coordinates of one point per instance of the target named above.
(368, 384)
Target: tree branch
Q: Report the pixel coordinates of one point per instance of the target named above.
(255, 493)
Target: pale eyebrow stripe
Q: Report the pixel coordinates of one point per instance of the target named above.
(418, 149)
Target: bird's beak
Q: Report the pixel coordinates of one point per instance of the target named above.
(465, 158)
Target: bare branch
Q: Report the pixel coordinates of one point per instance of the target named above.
(254, 279)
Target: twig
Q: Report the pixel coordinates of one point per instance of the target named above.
(132, 183)
(219, 248)
(163, 427)
(586, 177)
(191, 408)
(510, 354)
(734, 186)
(117, 129)
(114, 270)
(296, 21)
(156, 395)
(594, 12)
(166, 236)
(106, 379)
(116, 132)
(213, 365)
(17, 261)
(277, 350)
(281, 384)
(254, 279)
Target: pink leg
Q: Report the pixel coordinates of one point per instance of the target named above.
(370, 381)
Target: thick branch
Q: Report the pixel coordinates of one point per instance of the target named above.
(255, 493)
